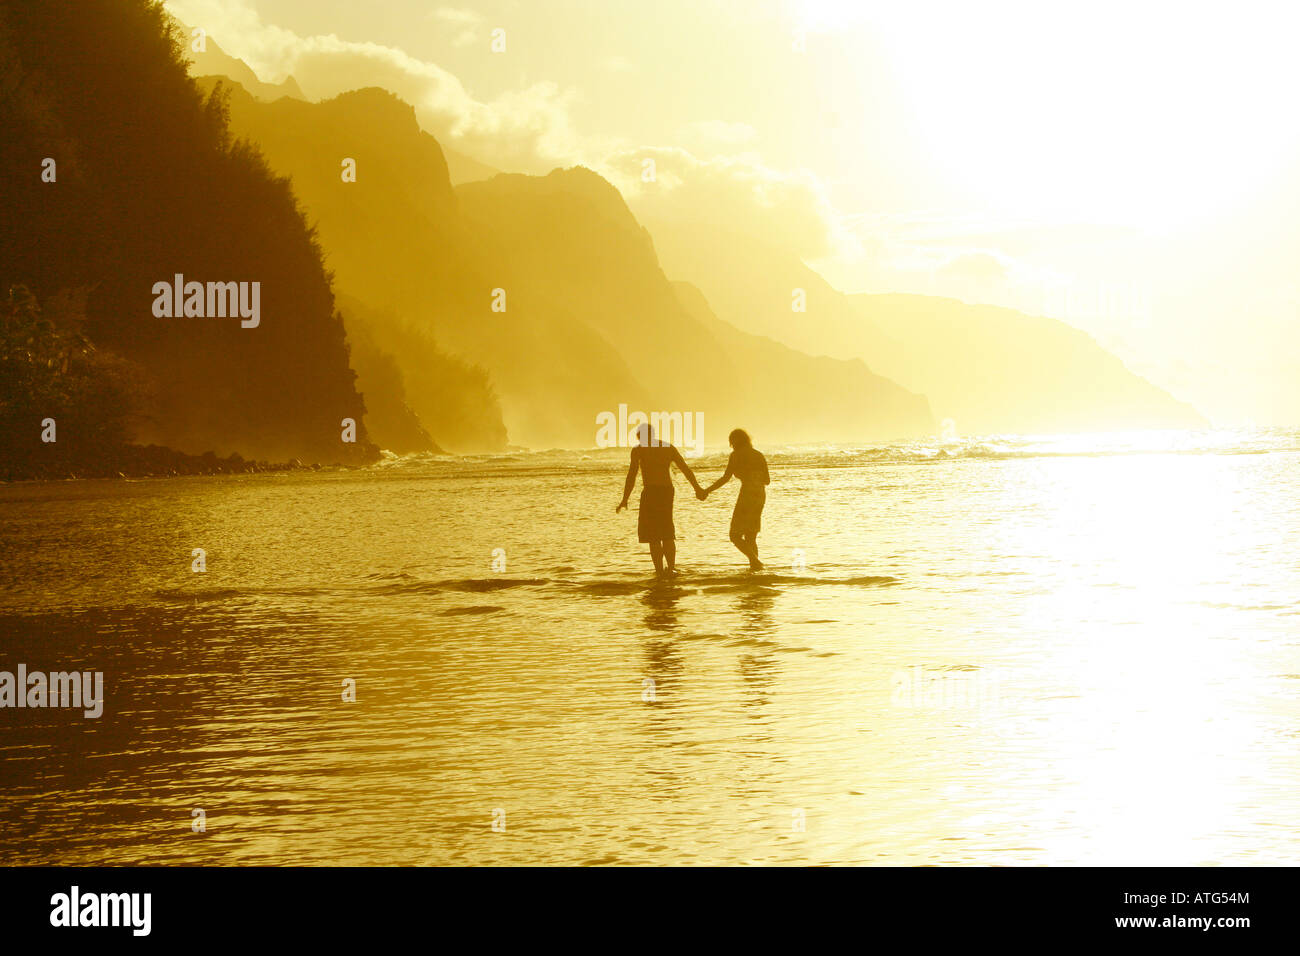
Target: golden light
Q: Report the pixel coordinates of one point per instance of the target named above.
(1143, 114)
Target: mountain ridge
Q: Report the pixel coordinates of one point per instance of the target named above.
(590, 319)
(930, 344)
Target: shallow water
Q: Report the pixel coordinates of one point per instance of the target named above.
(1026, 651)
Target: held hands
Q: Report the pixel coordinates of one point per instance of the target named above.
(701, 493)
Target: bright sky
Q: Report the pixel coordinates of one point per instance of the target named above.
(1133, 168)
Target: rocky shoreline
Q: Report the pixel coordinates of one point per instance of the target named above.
(144, 461)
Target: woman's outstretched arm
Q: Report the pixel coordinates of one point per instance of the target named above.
(726, 475)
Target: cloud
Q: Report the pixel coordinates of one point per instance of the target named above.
(790, 208)
(976, 260)
(466, 23)
(530, 129)
(525, 130)
(711, 134)
(975, 267)
(457, 16)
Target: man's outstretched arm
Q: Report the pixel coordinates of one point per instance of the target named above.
(680, 462)
(630, 482)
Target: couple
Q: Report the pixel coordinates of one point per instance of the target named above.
(655, 524)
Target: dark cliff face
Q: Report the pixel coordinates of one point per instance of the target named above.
(148, 185)
(398, 253)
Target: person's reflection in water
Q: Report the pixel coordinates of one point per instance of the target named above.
(661, 603)
(758, 669)
(754, 605)
(663, 664)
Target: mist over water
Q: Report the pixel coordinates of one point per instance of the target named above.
(1056, 650)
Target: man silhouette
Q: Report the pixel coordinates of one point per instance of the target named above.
(654, 525)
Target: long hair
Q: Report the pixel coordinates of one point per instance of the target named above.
(739, 438)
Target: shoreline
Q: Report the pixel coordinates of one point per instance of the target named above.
(149, 461)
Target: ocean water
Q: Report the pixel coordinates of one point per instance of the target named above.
(988, 651)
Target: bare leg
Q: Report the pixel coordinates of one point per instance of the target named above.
(670, 555)
(657, 556)
(745, 545)
(738, 539)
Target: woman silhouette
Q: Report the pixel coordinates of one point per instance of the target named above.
(750, 467)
